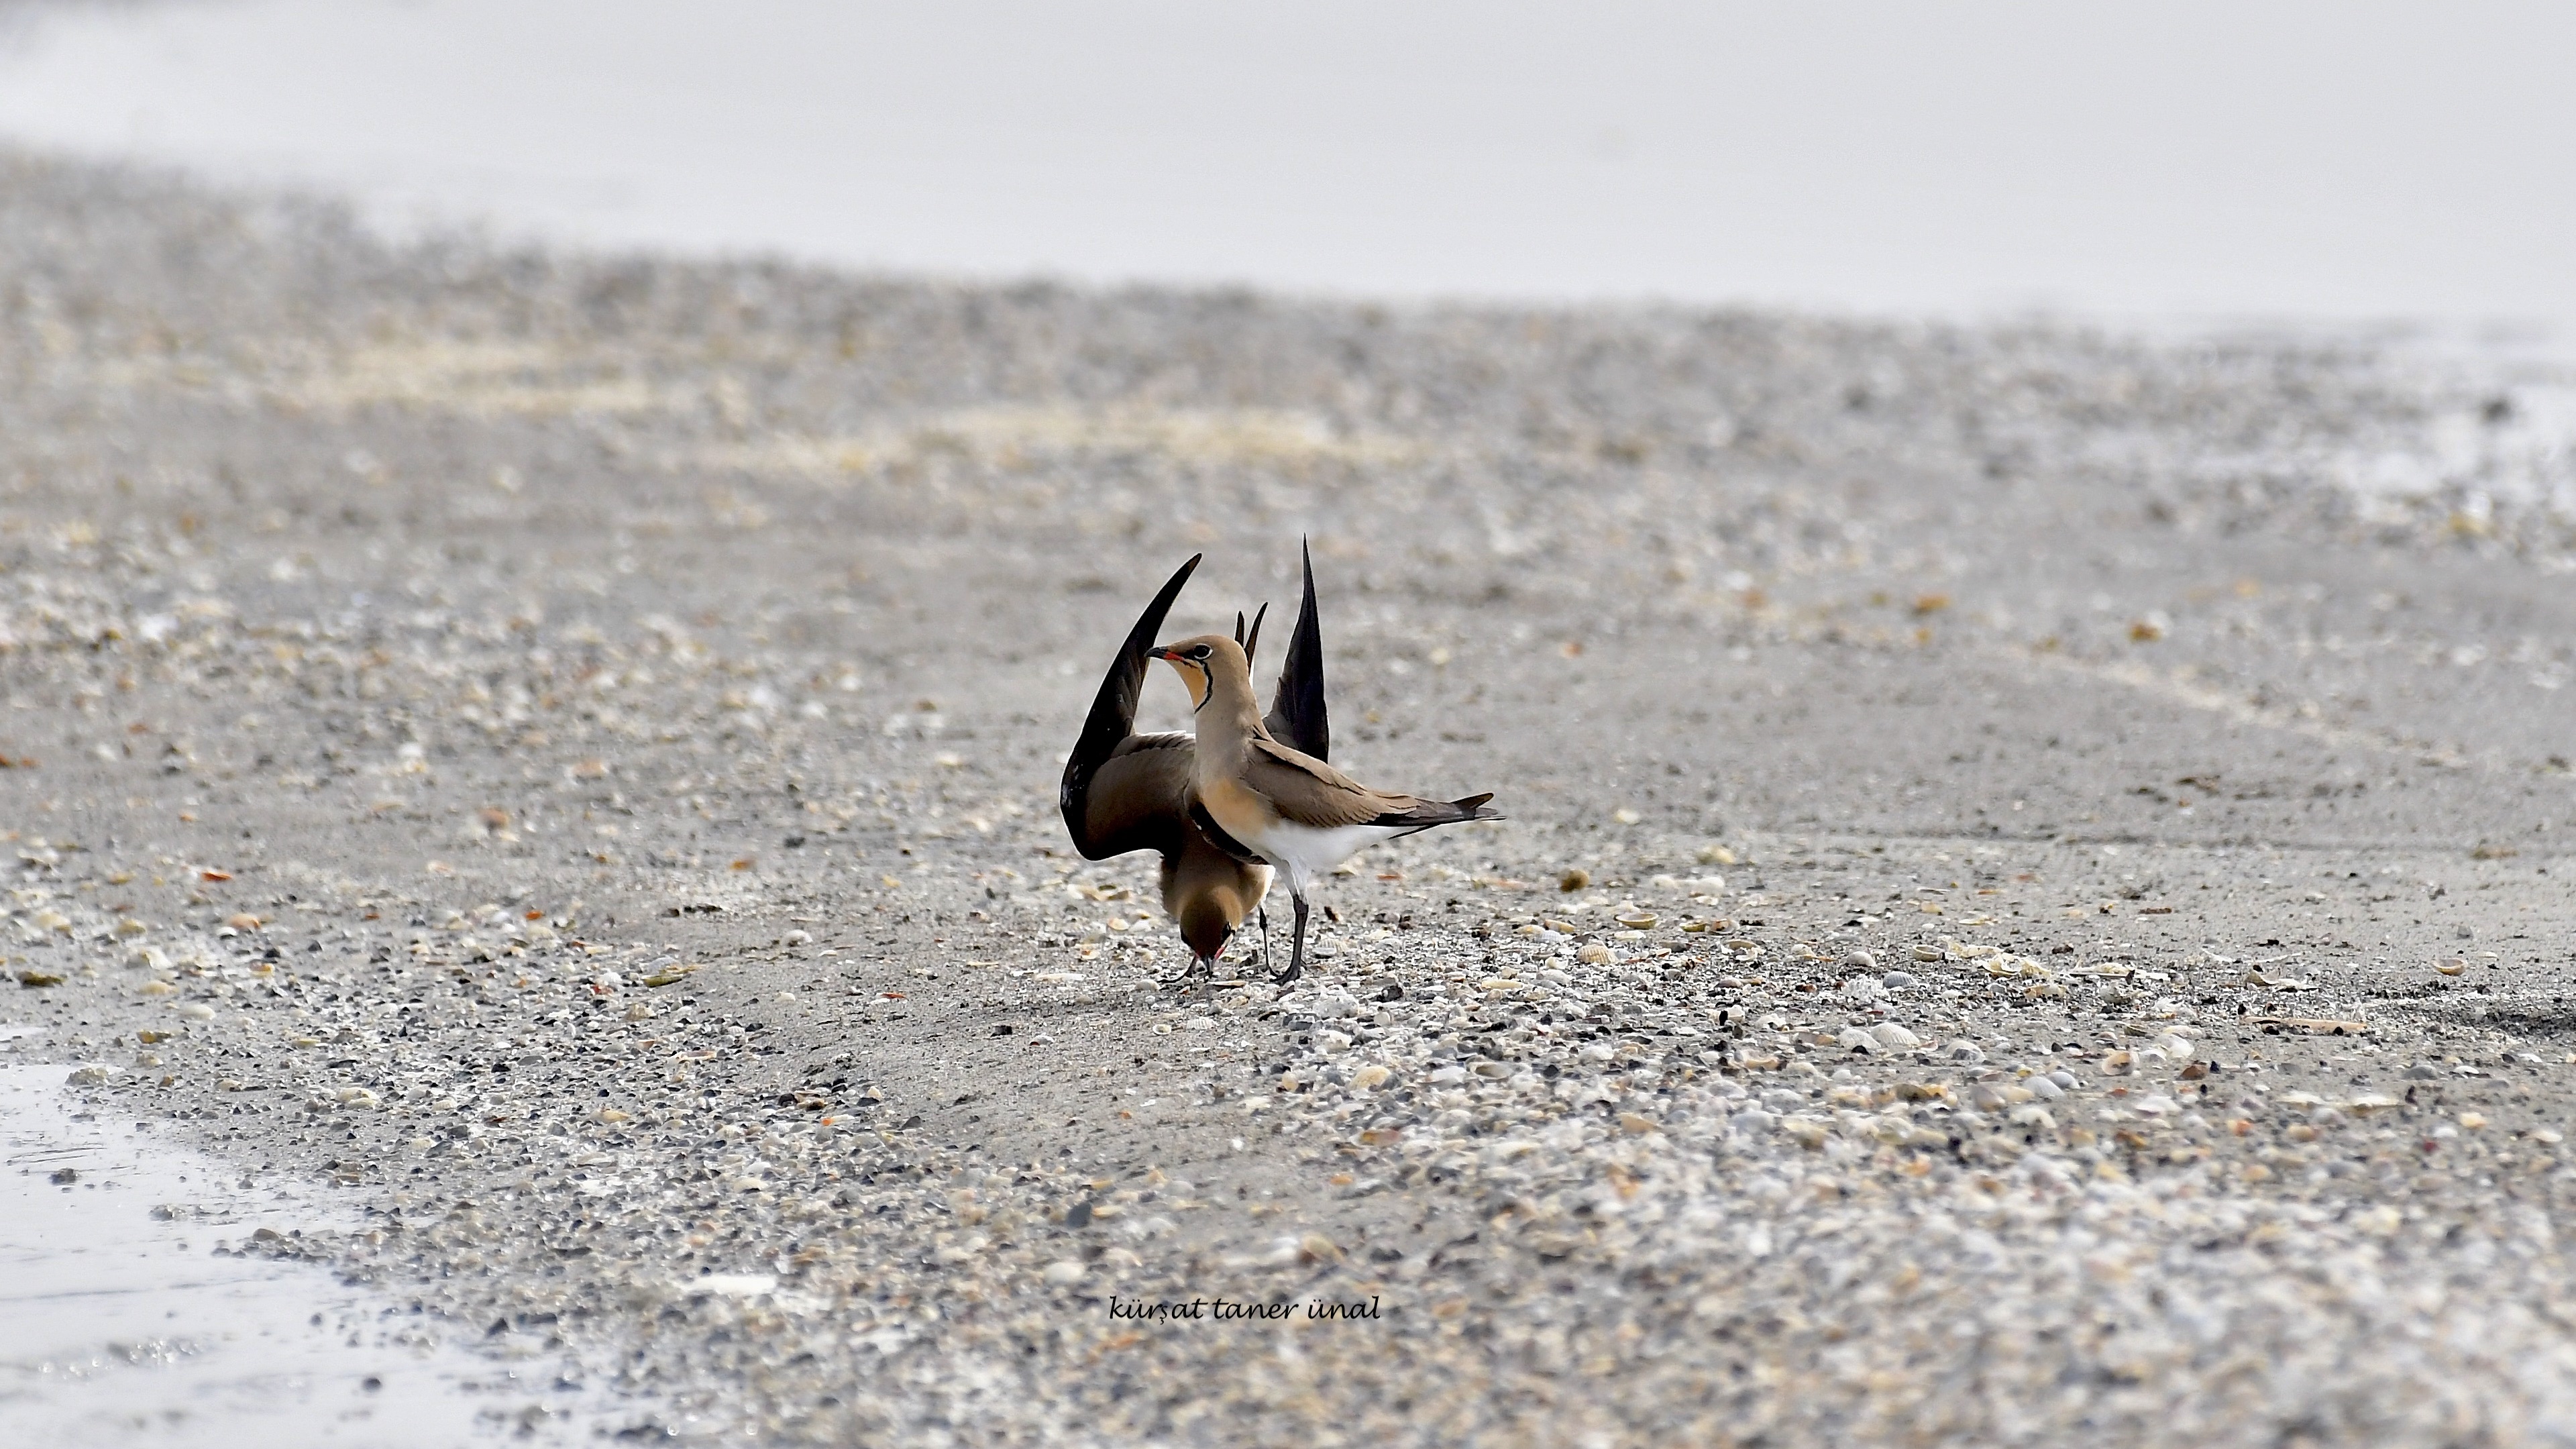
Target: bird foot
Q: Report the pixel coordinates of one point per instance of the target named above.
(1291, 974)
(1199, 978)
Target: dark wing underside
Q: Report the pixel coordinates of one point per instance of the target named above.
(1139, 798)
(1107, 805)
(1296, 717)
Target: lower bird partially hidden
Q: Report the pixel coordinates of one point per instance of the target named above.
(1126, 791)
(1297, 813)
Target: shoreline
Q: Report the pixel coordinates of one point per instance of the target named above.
(126, 1330)
(498, 721)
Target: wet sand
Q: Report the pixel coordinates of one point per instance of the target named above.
(2070, 940)
(135, 1315)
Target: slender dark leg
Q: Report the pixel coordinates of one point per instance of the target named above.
(1297, 948)
(1264, 913)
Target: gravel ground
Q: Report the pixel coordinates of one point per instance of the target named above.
(2034, 909)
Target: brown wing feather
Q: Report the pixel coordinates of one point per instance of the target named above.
(1308, 791)
(1140, 798)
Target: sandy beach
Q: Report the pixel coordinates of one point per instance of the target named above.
(2034, 909)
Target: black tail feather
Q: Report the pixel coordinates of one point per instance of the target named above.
(1428, 813)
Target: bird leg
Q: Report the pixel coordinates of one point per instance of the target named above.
(1297, 949)
(1264, 913)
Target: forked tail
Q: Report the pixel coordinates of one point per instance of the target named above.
(1424, 814)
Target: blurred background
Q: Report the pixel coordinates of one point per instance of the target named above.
(2337, 165)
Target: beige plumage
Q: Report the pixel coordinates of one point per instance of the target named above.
(1125, 791)
(1293, 810)
(1139, 799)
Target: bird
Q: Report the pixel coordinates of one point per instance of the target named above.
(1298, 814)
(1125, 791)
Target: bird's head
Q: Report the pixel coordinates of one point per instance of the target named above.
(1202, 661)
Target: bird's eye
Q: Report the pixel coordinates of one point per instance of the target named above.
(1200, 652)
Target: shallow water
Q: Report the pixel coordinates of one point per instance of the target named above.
(121, 1324)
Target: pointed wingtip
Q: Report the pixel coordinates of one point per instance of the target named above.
(1113, 709)
(1298, 714)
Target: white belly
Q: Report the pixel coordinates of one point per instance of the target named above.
(1302, 852)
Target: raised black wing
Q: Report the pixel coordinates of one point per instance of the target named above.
(1296, 717)
(1113, 714)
